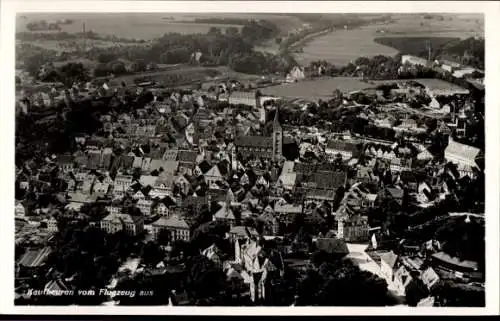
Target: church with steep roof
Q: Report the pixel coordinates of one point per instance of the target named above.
(262, 146)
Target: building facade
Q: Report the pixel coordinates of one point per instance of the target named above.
(261, 146)
(114, 223)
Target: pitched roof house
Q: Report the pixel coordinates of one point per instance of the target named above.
(177, 227)
(463, 156)
(115, 222)
(213, 175)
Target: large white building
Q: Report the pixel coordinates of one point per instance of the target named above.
(116, 222)
(414, 61)
(464, 156)
(244, 98)
(296, 74)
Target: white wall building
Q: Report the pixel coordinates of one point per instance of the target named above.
(464, 156)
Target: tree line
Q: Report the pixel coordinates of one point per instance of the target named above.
(233, 47)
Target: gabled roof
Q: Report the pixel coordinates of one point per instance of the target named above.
(225, 213)
(167, 201)
(461, 150)
(204, 166)
(145, 202)
(165, 178)
(170, 154)
(167, 166)
(315, 217)
(328, 180)
(123, 218)
(443, 128)
(148, 180)
(224, 166)
(395, 192)
(57, 285)
(254, 141)
(173, 221)
(212, 252)
(390, 258)
(187, 156)
(195, 201)
(214, 172)
(80, 198)
(287, 208)
(266, 216)
(243, 94)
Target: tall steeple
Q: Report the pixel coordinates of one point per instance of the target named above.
(229, 199)
(277, 137)
(262, 114)
(276, 121)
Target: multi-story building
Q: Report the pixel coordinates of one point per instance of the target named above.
(176, 226)
(354, 228)
(464, 156)
(414, 61)
(145, 206)
(52, 225)
(132, 225)
(162, 209)
(122, 182)
(163, 185)
(244, 98)
(262, 146)
(345, 148)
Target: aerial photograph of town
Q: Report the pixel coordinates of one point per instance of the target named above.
(250, 159)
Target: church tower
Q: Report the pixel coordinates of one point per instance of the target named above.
(461, 123)
(234, 159)
(277, 137)
(262, 114)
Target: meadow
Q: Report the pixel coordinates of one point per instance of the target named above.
(183, 74)
(149, 26)
(433, 84)
(146, 29)
(343, 46)
(316, 88)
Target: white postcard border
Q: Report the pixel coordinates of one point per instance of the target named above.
(491, 9)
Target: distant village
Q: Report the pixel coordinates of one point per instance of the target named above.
(264, 169)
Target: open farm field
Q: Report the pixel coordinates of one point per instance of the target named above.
(455, 25)
(343, 46)
(149, 26)
(317, 88)
(130, 26)
(182, 74)
(71, 45)
(434, 85)
(284, 21)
